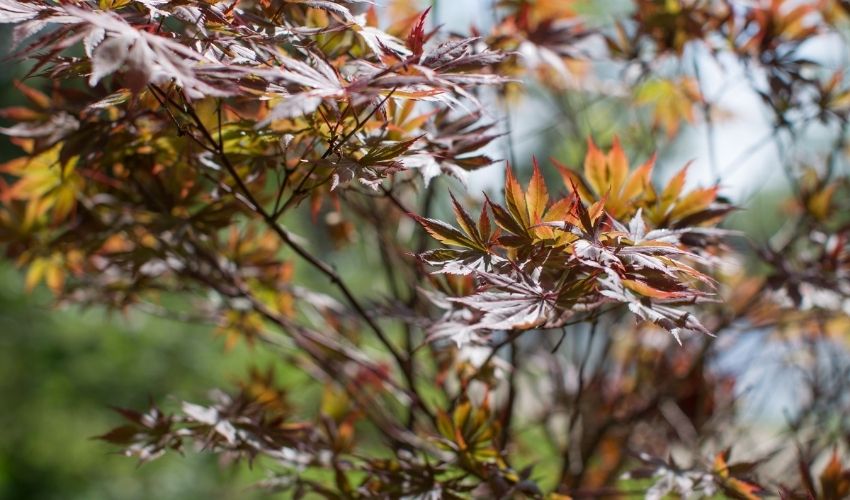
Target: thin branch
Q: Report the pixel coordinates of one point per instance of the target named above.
(323, 267)
(568, 465)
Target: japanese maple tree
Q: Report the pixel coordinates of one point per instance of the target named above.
(560, 337)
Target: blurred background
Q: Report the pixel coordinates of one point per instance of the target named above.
(60, 370)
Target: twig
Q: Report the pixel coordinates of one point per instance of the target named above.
(567, 464)
(323, 267)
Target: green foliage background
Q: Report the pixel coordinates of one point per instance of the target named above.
(58, 373)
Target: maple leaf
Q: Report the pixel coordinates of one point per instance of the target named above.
(530, 218)
(417, 37)
(381, 43)
(518, 302)
(835, 479)
(731, 485)
(47, 184)
(473, 242)
(672, 102)
(16, 12)
(450, 146)
(606, 176)
(321, 80)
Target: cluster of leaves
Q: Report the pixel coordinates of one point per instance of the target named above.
(702, 481)
(544, 261)
(725, 478)
(306, 120)
(258, 422)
